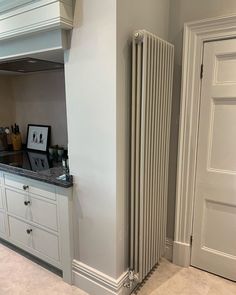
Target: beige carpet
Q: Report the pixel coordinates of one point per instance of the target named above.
(20, 276)
(170, 279)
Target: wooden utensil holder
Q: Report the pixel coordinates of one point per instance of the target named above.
(16, 142)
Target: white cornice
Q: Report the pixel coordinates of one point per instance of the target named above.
(34, 28)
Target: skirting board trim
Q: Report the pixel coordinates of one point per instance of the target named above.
(181, 254)
(96, 282)
(169, 249)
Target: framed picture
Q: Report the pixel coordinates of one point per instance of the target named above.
(38, 137)
(38, 161)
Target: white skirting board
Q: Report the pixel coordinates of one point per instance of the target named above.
(181, 254)
(95, 282)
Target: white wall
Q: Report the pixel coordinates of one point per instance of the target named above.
(39, 98)
(152, 15)
(182, 11)
(7, 107)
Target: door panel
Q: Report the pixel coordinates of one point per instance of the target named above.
(225, 68)
(218, 215)
(222, 145)
(214, 226)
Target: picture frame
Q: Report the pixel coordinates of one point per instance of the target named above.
(38, 137)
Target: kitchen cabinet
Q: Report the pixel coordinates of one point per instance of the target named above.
(37, 217)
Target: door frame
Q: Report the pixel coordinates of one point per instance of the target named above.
(195, 34)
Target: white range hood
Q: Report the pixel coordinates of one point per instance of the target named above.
(29, 28)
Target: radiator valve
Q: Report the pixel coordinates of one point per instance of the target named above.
(131, 280)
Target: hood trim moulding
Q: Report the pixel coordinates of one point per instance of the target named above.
(29, 17)
(8, 5)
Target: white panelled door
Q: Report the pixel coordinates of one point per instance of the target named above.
(214, 226)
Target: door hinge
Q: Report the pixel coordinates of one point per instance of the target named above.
(191, 240)
(201, 74)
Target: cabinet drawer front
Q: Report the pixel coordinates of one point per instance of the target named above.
(2, 223)
(39, 240)
(1, 198)
(34, 187)
(38, 210)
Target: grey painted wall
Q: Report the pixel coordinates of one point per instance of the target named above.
(90, 71)
(182, 11)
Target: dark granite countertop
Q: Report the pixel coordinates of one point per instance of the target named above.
(49, 175)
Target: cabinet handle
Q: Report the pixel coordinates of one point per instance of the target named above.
(25, 187)
(26, 203)
(29, 231)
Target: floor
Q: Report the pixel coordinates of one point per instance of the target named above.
(170, 279)
(20, 276)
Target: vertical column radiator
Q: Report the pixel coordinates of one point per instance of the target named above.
(152, 78)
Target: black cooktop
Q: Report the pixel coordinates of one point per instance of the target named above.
(28, 160)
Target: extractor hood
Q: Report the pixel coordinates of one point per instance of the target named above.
(29, 65)
(33, 27)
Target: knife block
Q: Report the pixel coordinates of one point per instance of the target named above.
(16, 142)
